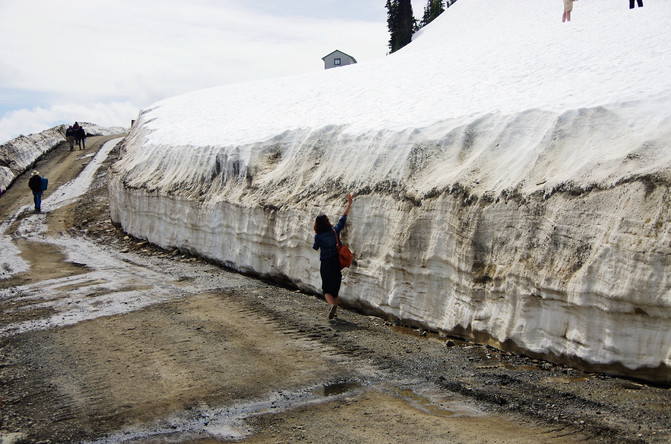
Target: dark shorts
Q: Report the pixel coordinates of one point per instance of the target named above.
(331, 275)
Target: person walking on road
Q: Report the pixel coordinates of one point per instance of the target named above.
(35, 185)
(81, 134)
(76, 128)
(326, 241)
(81, 138)
(70, 137)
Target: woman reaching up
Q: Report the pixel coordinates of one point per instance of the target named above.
(326, 240)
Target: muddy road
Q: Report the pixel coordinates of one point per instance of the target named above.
(105, 338)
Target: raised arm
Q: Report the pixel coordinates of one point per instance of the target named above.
(349, 204)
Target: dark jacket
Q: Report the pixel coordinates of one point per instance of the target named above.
(327, 240)
(35, 184)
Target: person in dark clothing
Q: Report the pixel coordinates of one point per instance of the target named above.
(35, 184)
(631, 4)
(70, 137)
(76, 129)
(325, 241)
(81, 138)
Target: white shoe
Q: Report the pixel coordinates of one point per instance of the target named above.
(332, 311)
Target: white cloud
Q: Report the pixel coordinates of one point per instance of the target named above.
(107, 59)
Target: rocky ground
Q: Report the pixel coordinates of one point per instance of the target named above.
(110, 339)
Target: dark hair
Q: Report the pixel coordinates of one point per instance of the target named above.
(322, 224)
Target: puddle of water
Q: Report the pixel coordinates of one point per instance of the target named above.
(565, 379)
(632, 386)
(424, 404)
(47, 260)
(221, 424)
(519, 367)
(439, 406)
(336, 389)
(418, 333)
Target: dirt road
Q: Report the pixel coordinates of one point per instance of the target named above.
(105, 338)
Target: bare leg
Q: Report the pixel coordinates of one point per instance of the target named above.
(333, 304)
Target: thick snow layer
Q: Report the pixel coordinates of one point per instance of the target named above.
(479, 65)
(17, 155)
(510, 172)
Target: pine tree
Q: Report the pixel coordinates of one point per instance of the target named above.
(400, 23)
(392, 13)
(432, 10)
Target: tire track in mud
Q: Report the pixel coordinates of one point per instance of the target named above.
(498, 386)
(325, 336)
(95, 364)
(151, 363)
(353, 376)
(90, 361)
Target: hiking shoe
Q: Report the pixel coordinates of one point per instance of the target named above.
(332, 311)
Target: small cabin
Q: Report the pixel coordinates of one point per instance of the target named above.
(337, 58)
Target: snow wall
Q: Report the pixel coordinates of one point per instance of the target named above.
(507, 206)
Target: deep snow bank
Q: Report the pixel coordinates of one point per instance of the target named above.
(19, 154)
(511, 177)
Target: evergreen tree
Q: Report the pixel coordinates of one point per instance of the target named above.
(400, 23)
(392, 13)
(432, 10)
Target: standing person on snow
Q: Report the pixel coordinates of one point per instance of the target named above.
(35, 184)
(325, 239)
(631, 4)
(568, 7)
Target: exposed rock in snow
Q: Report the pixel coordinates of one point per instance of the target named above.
(19, 154)
(511, 177)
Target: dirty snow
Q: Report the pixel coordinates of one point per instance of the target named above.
(510, 174)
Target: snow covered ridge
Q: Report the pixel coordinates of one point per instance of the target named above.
(511, 178)
(17, 155)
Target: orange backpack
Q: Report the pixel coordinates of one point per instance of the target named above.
(345, 256)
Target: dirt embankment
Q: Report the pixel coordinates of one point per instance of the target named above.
(108, 338)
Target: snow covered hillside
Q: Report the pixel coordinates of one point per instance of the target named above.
(20, 153)
(511, 178)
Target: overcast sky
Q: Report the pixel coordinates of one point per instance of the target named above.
(102, 61)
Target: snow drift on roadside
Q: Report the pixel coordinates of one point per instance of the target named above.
(511, 175)
(608, 70)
